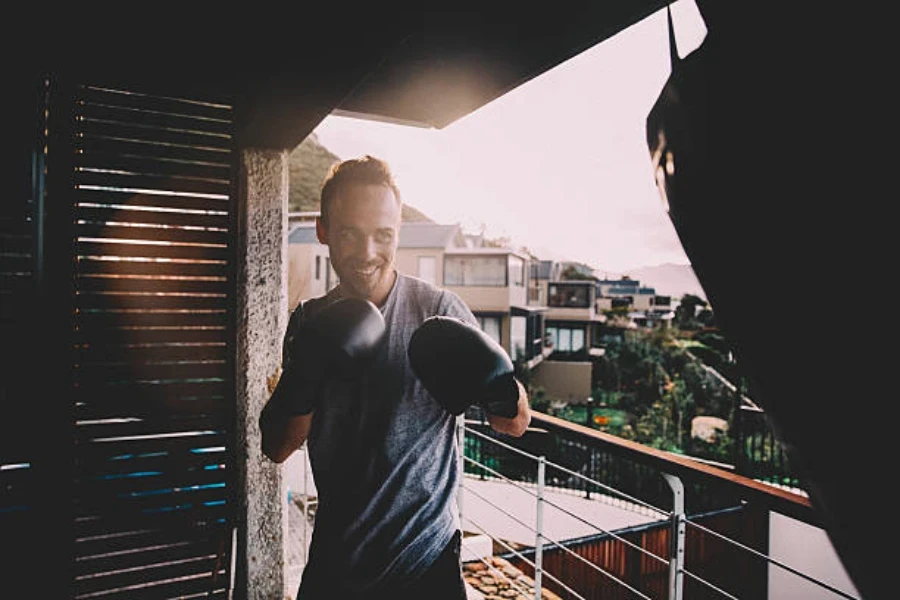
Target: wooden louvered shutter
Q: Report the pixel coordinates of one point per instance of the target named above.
(149, 190)
(21, 267)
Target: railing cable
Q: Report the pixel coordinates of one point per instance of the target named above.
(770, 560)
(561, 547)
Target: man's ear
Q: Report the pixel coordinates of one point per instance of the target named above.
(321, 231)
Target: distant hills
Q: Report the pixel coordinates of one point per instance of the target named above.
(309, 163)
(668, 279)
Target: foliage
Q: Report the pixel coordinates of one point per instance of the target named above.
(308, 164)
(689, 311)
(655, 388)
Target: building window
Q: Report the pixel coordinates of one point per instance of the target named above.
(565, 339)
(491, 326)
(516, 271)
(427, 269)
(318, 267)
(569, 296)
(518, 338)
(475, 270)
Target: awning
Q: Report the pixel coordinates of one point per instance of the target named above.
(526, 311)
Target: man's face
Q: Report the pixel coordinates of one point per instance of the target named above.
(362, 233)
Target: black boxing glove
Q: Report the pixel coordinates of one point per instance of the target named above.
(335, 343)
(460, 365)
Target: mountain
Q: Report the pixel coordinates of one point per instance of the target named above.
(669, 279)
(309, 163)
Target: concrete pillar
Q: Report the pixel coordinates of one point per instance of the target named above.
(261, 321)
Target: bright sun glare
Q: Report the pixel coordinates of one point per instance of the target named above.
(559, 165)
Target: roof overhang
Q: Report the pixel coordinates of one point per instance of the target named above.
(288, 69)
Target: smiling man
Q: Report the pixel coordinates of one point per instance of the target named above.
(383, 448)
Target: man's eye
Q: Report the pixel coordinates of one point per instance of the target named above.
(384, 237)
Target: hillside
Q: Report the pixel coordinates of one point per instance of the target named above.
(309, 163)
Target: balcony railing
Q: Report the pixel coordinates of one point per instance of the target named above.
(704, 531)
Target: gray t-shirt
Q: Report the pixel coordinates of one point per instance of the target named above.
(384, 457)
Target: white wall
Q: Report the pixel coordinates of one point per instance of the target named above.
(808, 550)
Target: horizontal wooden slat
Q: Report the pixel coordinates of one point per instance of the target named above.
(207, 109)
(149, 407)
(103, 321)
(89, 248)
(97, 403)
(167, 425)
(148, 555)
(88, 300)
(160, 462)
(191, 442)
(126, 485)
(175, 500)
(125, 146)
(153, 165)
(133, 393)
(16, 244)
(144, 577)
(110, 214)
(147, 285)
(200, 587)
(20, 263)
(152, 371)
(99, 534)
(121, 198)
(98, 109)
(90, 126)
(166, 183)
(162, 234)
(112, 353)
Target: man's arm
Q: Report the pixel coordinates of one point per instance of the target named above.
(281, 436)
(516, 425)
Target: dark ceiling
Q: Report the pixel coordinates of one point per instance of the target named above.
(287, 70)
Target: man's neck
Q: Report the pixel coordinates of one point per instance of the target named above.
(378, 297)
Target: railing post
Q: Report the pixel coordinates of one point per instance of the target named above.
(539, 528)
(676, 538)
(461, 464)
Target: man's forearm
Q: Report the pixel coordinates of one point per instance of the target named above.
(514, 426)
(282, 434)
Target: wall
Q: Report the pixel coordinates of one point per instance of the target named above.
(806, 549)
(302, 283)
(570, 381)
(407, 262)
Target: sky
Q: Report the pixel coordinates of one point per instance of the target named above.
(559, 165)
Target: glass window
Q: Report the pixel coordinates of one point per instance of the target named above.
(565, 340)
(574, 296)
(577, 339)
(516, 271)
(517, 337)
(427, 268)
(318, 267)
(475, 270)
(491, 326)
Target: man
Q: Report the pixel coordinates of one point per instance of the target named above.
(383, 449)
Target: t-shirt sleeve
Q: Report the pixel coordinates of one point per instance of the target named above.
(451, 305)
(290, 334)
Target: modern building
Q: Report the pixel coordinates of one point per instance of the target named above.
(491, 280)
(310, 273)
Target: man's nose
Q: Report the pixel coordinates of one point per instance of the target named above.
(367, 248)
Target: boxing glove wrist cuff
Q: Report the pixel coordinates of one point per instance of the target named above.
(502, 397)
